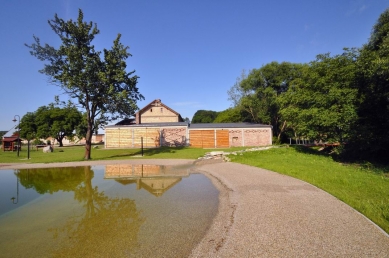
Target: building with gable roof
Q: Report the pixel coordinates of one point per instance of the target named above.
(158, 125)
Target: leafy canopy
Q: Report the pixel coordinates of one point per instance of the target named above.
(97, 80)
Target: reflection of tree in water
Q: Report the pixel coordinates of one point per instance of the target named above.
(51, 180)
(109, 226)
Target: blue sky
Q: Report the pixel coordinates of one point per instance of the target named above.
(187, 53)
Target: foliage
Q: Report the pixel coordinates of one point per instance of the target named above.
(204, 116)
(28, 126)
(341, 98)
(321, 103)
(257, 93)
(98, 80)
(230, 115)
(370, 138)
(50, 121)
(364, 189)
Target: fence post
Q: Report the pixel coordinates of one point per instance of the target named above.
(141, 144)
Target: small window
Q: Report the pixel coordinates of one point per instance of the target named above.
(161, 110)
(151, 110)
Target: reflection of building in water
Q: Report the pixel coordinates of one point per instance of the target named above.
(153, 178)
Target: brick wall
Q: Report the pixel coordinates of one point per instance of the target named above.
(236, 137)
(257, 137)
(173, 136)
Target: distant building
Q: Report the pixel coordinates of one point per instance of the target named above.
(159, 125)
(10, 143)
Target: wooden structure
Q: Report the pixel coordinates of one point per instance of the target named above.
(209, 138)
(160, 125)
(11, 143)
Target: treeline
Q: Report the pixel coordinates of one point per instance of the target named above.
(342, 98)
(57, 120)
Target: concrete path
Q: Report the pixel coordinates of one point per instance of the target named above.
(265, 214)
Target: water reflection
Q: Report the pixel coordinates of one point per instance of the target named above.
(99, 211)
(155, 179)
(17, 192)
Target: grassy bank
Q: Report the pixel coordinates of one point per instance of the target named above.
(76, 153)
(361, 187)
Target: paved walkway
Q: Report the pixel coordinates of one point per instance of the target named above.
(265, 214)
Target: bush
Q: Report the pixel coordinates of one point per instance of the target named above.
(276, 141)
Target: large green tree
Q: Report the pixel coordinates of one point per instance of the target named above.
(28, 126)
(370, 135)
(204, 116)
(230, 115)
(257, 93)
(97, 80)
(51, 121)
(321, 103)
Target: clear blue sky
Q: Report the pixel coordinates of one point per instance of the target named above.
(187, 53)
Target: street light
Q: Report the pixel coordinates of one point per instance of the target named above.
(17, 190)
(14, 120)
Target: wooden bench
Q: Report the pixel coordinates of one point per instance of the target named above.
(40, 146)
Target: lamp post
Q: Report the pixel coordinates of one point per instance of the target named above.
(17, 190)
(14, 120)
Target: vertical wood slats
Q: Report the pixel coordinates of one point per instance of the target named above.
(206, 138)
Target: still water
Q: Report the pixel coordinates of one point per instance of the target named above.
(104, 211)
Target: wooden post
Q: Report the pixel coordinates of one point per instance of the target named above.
(141, 144)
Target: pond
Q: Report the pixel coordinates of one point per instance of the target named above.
(100, 211)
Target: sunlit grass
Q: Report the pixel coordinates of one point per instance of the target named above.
(366, 190)
(76, 153)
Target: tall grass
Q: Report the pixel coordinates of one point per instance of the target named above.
(365, 189)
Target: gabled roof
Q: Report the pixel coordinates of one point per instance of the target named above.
(127, 121)
(227, 125)
(10, 139)
(149, 124)
(158, 103)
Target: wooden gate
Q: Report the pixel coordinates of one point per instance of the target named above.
(202, 138)
(206, 138)
(222, 139)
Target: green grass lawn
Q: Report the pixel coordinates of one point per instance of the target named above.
(76, 153)
(363, 188)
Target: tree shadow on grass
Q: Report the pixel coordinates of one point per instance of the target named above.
(325, 152)
(372, 166)
(160, 150)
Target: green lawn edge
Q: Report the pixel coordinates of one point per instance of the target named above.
(364, 188)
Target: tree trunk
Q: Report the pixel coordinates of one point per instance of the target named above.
(282, 130)
(88, 142)
(59, 139)
(90, 207)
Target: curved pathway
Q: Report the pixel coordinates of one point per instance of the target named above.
(271, 215)
(265, 214)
